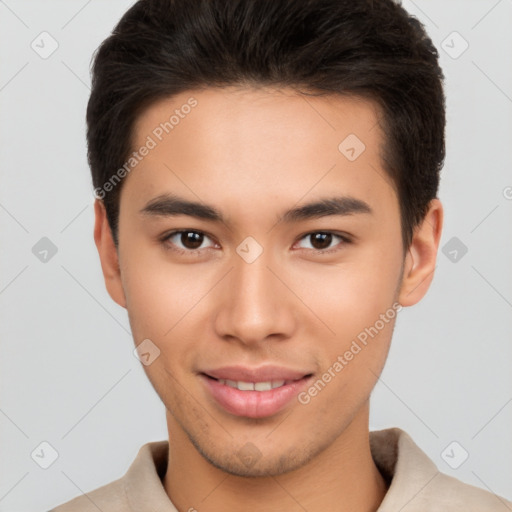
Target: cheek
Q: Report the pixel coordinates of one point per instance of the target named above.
(161, 295)
(164, 306)
(351, 295)
(356, 301)
(361, 314)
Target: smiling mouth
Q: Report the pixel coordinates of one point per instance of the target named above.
(254, 398)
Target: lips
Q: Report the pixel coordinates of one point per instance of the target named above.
(254, 392)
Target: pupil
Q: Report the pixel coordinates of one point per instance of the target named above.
(191, 240)
(321, 240)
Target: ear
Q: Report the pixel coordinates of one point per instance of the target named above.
(108, 254)
(420, 260)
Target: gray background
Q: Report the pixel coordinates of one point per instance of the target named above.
(68, 374)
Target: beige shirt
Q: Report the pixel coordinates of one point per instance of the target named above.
(416, 483)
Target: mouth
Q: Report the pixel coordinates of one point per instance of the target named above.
(254, 397)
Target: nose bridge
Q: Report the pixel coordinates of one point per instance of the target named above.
(254, 303)
(254, 281)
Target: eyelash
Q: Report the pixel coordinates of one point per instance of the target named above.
(345, 239)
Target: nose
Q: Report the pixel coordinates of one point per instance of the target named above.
(254, 303)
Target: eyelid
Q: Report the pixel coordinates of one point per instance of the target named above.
(165, 238)
(345, 238)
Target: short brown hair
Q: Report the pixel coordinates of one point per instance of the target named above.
(373, 49)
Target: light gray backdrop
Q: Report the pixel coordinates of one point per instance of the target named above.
(68, 374)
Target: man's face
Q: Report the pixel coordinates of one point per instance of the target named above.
(259, 289)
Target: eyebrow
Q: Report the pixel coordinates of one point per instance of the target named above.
(169, 205)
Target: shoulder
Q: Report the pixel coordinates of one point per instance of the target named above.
(450, 494)
(416, 484)
(140, 488)
(111, 497)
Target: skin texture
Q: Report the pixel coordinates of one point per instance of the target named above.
(253, 154)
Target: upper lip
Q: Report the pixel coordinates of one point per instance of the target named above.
(260, 374)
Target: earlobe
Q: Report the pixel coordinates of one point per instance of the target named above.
(108, 254)
(420, 261)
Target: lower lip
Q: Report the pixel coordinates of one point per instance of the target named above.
(253, 404)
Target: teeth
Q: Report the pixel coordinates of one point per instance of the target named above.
(263, 386)
(253, 386)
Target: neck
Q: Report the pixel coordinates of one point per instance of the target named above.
(344, 474)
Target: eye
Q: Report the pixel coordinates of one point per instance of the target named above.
(187, 240)
(322, 240)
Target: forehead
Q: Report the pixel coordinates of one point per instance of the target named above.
(273, 142)
(239, 112)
